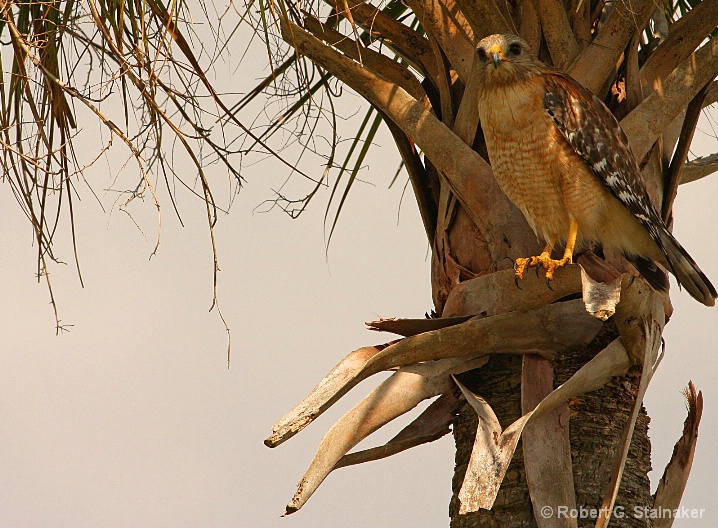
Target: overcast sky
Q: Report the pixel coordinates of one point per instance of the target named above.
(132, 418)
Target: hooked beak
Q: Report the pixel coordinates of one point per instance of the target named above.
(496, 55)
(496, 59)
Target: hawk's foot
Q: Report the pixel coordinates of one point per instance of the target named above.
(522, 264)
(544, 260)
(551, 265)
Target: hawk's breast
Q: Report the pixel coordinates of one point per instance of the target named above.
(534, 165)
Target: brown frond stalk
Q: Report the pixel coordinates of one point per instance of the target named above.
(379, 64)
(450, 29)
(675, 477)
(596, 62)
(399, 38)
(650, 119)
(699, 168)
(673, 175)
(686, 34)
(485, 18)
(557, 30)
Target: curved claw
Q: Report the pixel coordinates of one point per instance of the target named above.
(520, 266)
(516, 281)
(548, 283)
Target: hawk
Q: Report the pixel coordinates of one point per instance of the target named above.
(561, 157)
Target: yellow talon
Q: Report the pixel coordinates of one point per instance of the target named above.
(521, 265)
(552, 265)
(545, 260)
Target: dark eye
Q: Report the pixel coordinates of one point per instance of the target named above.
(515, 49)
(482, 54)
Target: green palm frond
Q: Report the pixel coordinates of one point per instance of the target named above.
(365, 139)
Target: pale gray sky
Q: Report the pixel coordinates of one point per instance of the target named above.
(133, 420)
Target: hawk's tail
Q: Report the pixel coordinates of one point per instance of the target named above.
(649, 270)
(686, 270)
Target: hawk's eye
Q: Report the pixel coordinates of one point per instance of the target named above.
(515, 49)
(482, 54)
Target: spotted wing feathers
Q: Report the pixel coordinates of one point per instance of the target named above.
(594, 133)
(596, 136)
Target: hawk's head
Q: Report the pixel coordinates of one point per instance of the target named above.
(504, 59)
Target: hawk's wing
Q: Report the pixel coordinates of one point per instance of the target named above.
(595, 135)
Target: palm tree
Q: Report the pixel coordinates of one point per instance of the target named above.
(494, 355)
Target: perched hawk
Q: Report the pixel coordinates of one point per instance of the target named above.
(561, 157)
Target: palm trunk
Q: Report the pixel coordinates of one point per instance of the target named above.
(595, 428)
(596, 419)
